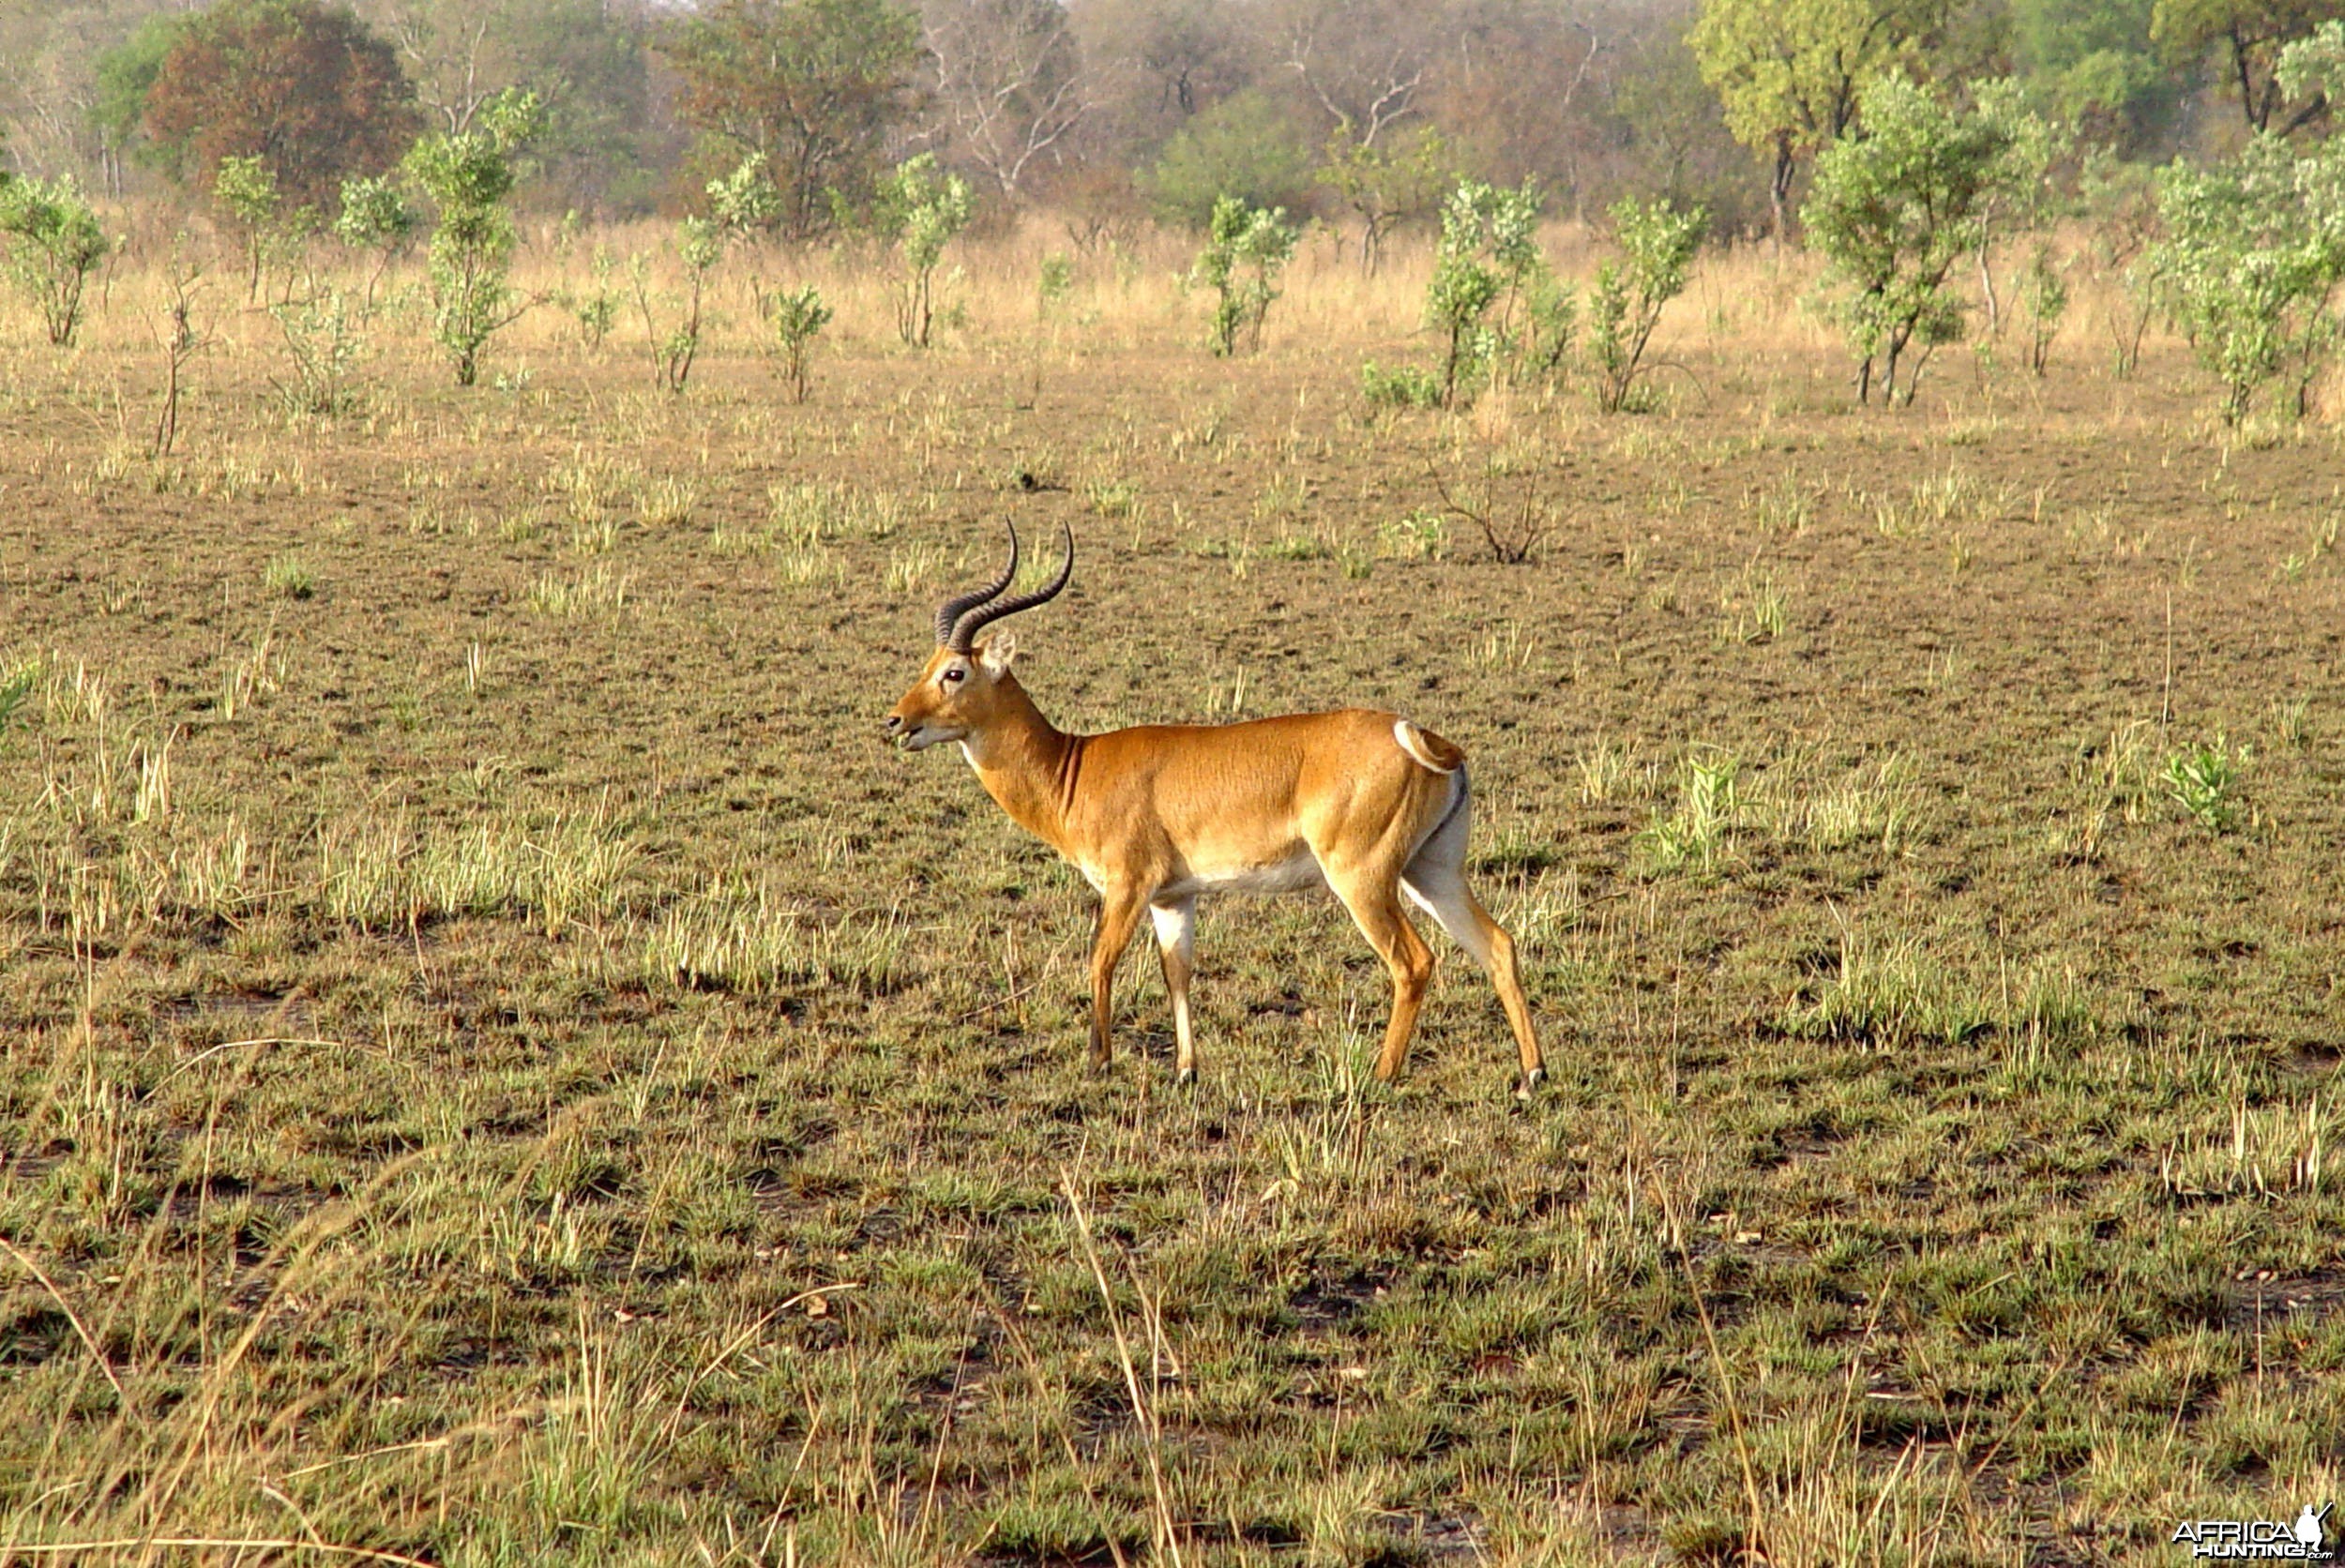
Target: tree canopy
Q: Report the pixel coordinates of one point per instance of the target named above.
(813, 85)
(1790, 73)
(2248, 36)
(307, 89)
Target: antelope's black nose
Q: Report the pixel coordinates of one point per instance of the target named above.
(895, 722)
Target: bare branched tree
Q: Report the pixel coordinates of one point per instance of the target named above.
(1512, 534)
(1011, 85)
(1363, 64)
(444, 46)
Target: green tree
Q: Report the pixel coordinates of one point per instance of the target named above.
(54, 244)
(2022, 201)
(374, 217)
(798, 317)
(469, 174)
(2248, 36)
(922, 209)
(246, 189)
(1400, 182)
(1246, 146)
(307, 90)
(1791, 73)
(813, 85)
(1247, 248)
(125, 75)
(1492, 296)
(2093, 63)
(1894, 209)
(2254, 247)
(586, 60)
(1657, 242)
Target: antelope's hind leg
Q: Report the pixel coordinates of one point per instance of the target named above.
(1435, 882)
(1177, 943)
(1375, 907)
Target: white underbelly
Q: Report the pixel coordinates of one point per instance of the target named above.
(1297, 873)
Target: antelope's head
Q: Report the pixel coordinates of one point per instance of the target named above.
(961, 689)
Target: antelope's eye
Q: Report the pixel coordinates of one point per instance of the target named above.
(955, 675)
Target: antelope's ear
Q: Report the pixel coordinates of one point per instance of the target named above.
(999, 652)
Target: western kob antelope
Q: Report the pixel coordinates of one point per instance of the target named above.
(1360, 802)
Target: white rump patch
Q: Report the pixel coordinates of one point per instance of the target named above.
(1405, 733)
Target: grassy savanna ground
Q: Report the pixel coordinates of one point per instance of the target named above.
(501, 1064)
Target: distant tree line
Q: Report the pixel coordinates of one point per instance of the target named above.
(1111, 110)
(1909, 140)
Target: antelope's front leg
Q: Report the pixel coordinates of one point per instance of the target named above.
(1119, 917)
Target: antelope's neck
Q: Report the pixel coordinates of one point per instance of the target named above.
(1026, 764)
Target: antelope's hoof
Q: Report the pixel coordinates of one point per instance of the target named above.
(1186, 1077)
(1530, 1084)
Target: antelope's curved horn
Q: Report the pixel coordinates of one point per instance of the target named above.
(983, 614)
(948, 613)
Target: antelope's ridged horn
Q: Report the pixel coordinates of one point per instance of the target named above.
(948, 613)
(984, 615)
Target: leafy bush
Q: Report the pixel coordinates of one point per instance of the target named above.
(1248, 146)
(55, 244)
(2203, 780)
(1402, 387)
(597, 310)
(700, 245)
(374, 217)
(2044, 291)
(1246, 250)
(2253, 248)
(1893, 209)
(746, 201)
(323, 345)
(246, 188)
(1657, 244)
(1493, 295)
(798, 318)
(922, 210)
(469, 174)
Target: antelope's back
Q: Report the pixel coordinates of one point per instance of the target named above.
(1255, 789)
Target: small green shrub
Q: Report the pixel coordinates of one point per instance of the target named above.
(1402, 387)
(246, 188)
(798, 318)
(324, 345)
(2254, 247)
(922, 210)
(1658, 243)
(1499, 307)
(469, 174)
(2203, 780)
(700, 245)
(55, 244)
(1694, 833)
(374, 217)
(1245, 249)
